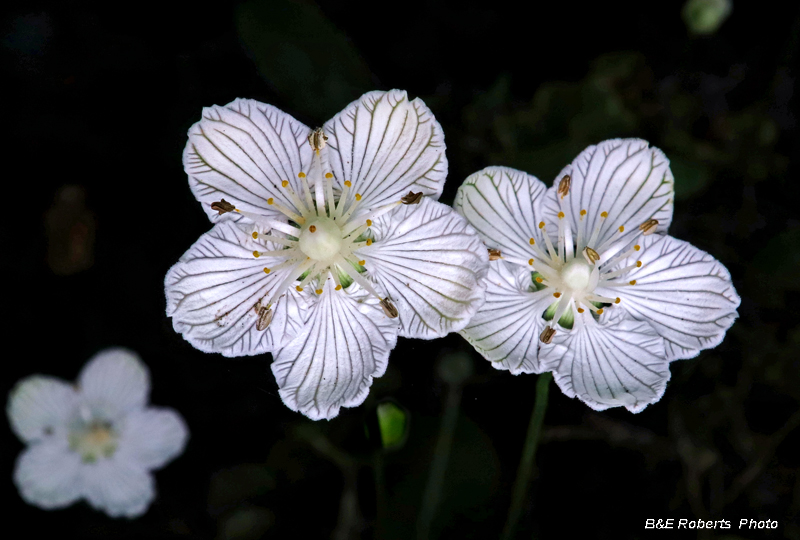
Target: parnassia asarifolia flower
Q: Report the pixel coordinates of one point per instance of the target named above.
(328, 244)
(584, 281)
(95, 440)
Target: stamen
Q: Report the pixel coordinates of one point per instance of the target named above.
(562, 307)
(648, 227)
(623, 256)
(312, 273)
(285, 211)
(563, 186)
(601, 299)
(373, 215)
(222, 207)
(356, 276)
(494, 254)
(329, 193)
(596, 231)
(342, 199)
(550, 249)
(591, 255)
(317, 139)
(268, 222)
(388, 308)
(254, 235)
(352, 208)
(306, 191)
(265, 315)
(283, 253)
(412, 198)
(557, 294)
(547, 334)
(278, 240)
(625, 270)
(291, 276)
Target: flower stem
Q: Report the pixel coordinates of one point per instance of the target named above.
(528, 454)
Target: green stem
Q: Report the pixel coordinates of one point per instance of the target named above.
(528, 454)
(441, 455)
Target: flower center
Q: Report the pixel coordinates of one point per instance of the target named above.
(93, 441)
(576, 274)
(321, 239)
(324, 241)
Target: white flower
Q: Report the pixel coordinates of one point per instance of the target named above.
(95, 440)
(328, 244)
(585, 283)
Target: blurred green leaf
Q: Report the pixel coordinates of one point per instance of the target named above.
(393, 423)
(690, 176)
(705, 16)
(303, 55)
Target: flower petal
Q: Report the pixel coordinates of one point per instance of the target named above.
(40, 406)
(118, 487)
(215, 290)
(116, 381)
(242, 152)
(48, 475)
(152, 437)
(331, 364)
(684, 292)
(386, 146)
(506, 328)
(614, 365)
(502, 205)
(431, 263)
(624, 177)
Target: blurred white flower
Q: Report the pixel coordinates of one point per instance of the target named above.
(584, 281)
(328, 244)
(95, 440)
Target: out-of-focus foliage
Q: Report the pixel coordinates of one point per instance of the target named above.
(706, 16)
(300, 53)
(393, 423)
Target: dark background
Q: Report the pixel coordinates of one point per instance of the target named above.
(98, 97)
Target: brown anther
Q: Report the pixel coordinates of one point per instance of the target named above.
(600, 311)
(547, 335)
(313, 228)
(563, 186)
(580, 310)
(591, 254)
(389, 309)
(317, 139)
(495, 254)
(265, 315)
(618, 300)
(411, 198)
(649, 226)
(557, 294)
(284, 183)
(222, 207)
(369, 241)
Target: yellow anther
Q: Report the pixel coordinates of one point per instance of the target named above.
(256, 254)
(541, 224)
(299, 288)
(267, 270)
(531, 241)
(270, 201)
(313, 228)
(301, 175)
(622, 228)
(369, 223)
(318, 291)
(338, 288)
(638, 264)
(561, 215)
(530, 262)
(637, 247)
(362, 263)
(557, 294)
(547, 335)
(348, 183)
(649, 226)
(583, 213)
(632, 282)
(618, 300)
(539, 280)
(284, 183)
(369, 241)
(255, 235)
(328, 175)
(600, 311)
(603, 214)
(591, 254)
(358, 196)
(580, 310)
(563, 185)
